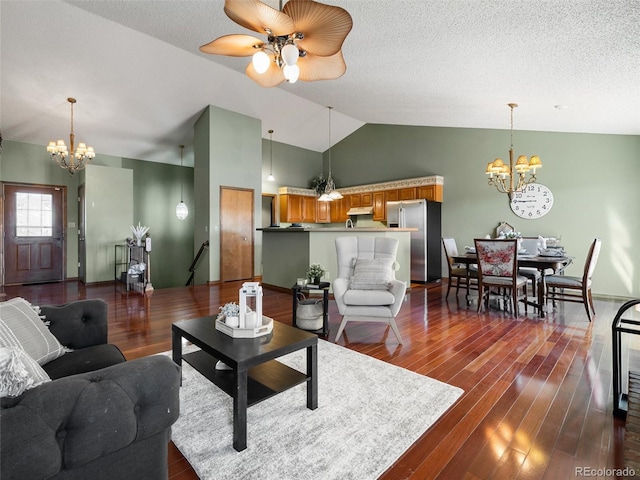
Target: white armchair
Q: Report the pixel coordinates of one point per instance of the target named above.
(366, 289)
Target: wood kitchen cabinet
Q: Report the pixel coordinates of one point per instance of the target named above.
(432, 193)
(309, 209)
(355, 200)
(291, 208)
(379, 206)
(391, 195)
(323, 212)
(339, 209)
(366, 199)
(407, 193)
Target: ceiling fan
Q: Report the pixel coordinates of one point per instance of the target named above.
(304, 40)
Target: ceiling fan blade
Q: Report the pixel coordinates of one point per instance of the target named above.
(257, 16)
(314, 67)
(324, 26)
(233, 46)
(271, 78)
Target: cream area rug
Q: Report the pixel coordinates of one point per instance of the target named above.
(369, 412)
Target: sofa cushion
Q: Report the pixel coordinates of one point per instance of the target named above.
(84, 360)
(372, 274)
(21, 327)
(368, 297)
(19, 372)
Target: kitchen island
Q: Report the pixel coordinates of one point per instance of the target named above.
(288, 252)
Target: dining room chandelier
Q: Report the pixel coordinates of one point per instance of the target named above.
(304, 40)
(71, 159)
(182, 211)
(330, 193)
(503, 176)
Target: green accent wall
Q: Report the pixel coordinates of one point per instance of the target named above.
(156, 192)
(292, 166)
(594, 179)
(230, 144)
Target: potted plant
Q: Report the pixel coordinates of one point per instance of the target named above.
(319, 184)
(231, 313)
(315, 273)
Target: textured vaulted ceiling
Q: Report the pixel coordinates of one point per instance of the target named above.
(141, 82)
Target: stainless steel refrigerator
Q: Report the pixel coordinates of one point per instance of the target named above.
(425, 241)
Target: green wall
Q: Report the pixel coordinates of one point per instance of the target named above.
(109, 212)
(230, 144)
(292, 166)
(156, 192)
(594, 180)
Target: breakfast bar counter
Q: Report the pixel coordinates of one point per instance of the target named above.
(288, 252)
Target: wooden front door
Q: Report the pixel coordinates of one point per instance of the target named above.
(236, 234)
(34, 233)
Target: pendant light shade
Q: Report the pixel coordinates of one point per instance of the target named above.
(182, 211)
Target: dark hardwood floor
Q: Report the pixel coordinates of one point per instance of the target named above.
(538, 392)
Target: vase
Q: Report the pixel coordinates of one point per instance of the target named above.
(139, 241)
(232, 322)
(316, 280)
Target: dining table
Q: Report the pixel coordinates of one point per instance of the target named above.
(555, 262)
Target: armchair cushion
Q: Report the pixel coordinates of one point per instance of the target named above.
(21, 327)
(368, 297)
(372, 274)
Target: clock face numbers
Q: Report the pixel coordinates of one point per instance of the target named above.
(534, 201)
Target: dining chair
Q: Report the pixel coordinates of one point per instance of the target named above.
(458, 273)
(531, 246)
(498, 268)
(565, 288)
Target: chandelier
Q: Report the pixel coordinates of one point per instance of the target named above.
(304, 40)
(271, 178)
(330, 193)
(72, 160)
(182, 211)
(503, 177)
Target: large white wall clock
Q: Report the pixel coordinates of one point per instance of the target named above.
(534, 201)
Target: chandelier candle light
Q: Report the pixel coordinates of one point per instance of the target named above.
(502, 176)
(182, 211)
(77, 158)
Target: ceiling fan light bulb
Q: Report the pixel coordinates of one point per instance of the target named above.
(291, 73)
(260, 61)
(290, 54)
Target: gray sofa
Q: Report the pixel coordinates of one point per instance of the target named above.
(100, 417)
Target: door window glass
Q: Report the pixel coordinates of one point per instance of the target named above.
(34, 215)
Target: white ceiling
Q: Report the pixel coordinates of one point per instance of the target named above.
(141, 82)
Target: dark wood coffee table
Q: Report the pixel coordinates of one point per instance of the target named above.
(255, 374)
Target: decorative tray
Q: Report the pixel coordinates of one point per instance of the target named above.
(236, 332)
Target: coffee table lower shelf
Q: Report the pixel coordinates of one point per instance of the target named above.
(264, 380)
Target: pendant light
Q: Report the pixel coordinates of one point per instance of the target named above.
(271, 178)
(330, 193)
(182, 211)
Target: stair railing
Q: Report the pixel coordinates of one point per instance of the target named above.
(194, 264)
